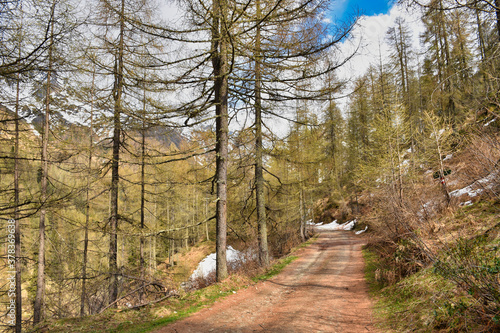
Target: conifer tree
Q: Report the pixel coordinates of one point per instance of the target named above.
(40, 284)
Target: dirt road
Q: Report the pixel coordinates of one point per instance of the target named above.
(322, 291)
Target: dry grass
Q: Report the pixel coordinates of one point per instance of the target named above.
(436, 260)
(187, 261)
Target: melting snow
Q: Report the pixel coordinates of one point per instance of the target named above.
(349, 225)
(466, 190)
(361, 231)
(34, 130)
(310, 222)
(207, 265)
(477, 187)
(489, 122)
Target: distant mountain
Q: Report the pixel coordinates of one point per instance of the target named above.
(68, 111)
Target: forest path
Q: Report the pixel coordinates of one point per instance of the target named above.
(322, 291)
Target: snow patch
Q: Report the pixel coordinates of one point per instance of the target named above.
(207, 265)
(330, 226)
(489, 122)
(405, 166)
(349, 225)
(427, 209)
(466, 190)
(34, 130)
(311, 223)
(359, 232)
(477, 187)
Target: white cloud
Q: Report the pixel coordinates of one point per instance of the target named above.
(370, 36)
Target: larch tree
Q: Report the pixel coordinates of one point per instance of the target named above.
(334, 128)
(399, 38)
(20, 57)
(220, 39)
(40, 283)
(491, 7)
(259, 173)
(286, 39)
(17, 215)
(122, 57)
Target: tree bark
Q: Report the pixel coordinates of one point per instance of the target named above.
(259, 175)
(302, 214)
(480, 34)
(142, 263)
(497, 12)
(40, 281)
(117, 95)
(220, 66)
(17, 227)
(87, 205)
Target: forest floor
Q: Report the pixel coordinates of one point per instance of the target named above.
(322, 291)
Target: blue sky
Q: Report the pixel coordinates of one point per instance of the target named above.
(343, 9)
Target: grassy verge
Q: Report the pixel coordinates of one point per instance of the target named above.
(149, 318)
(371, 265)
(191, 303)
(169, 311)
(275, 269)
(279, 265)
(422, 302)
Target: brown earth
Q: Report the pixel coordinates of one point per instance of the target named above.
(322, 291)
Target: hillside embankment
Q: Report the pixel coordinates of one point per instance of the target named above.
(434, 249)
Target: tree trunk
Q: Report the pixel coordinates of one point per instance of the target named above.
(87, 206)
(142, 263)
(497, 11)
(259, 175)
(152, 240)
(17, 227)
(171, 238)
(85, 245)
(206, 216)
(302, 214)
(449, 78)
(117, 95)
(219, 62)
(40, 281)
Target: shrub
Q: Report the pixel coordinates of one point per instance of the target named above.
(474, 266)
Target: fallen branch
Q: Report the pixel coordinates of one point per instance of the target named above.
(175, 294)
(127, 295)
